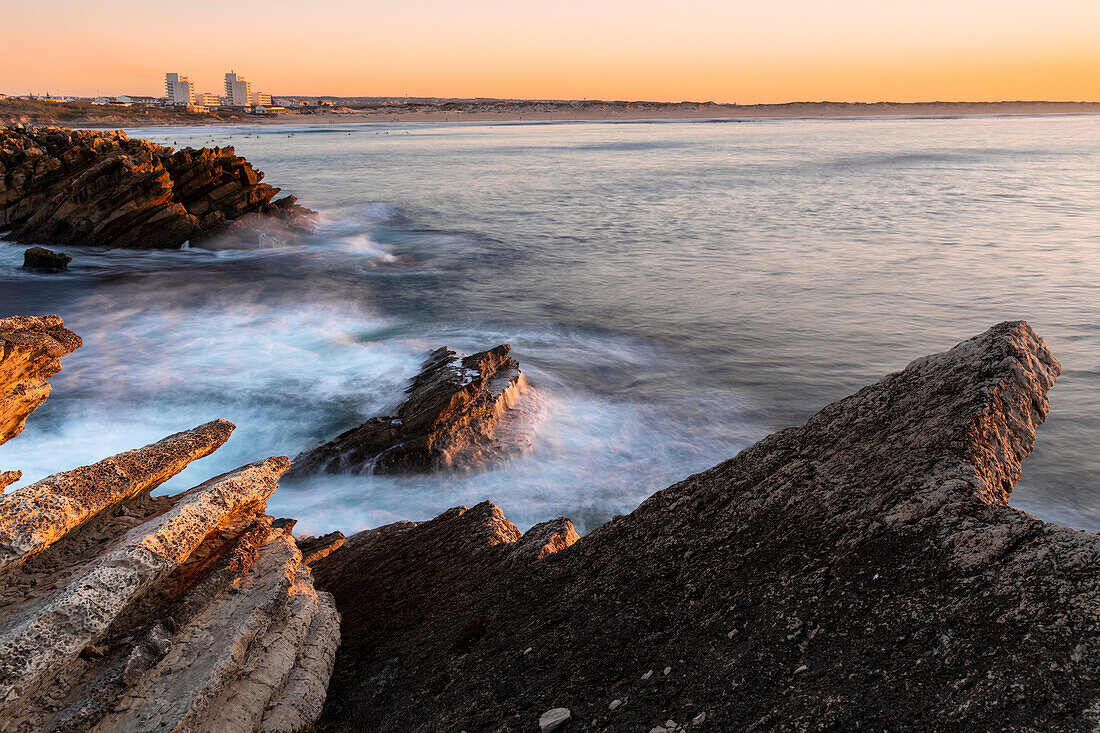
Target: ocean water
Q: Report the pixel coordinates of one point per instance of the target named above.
(674, 291)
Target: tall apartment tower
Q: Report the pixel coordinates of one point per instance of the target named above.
(178, 89)
(238, 90)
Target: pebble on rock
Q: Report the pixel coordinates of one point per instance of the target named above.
(614, 704)
(699, 719)
(553, 719)
(647, 675)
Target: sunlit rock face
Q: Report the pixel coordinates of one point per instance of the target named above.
(30, 351)
(97, 188)
(451, 419)
(860, 571)
(121, 611)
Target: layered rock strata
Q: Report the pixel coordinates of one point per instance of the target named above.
(450, 419)
(860, 571)
(105, 189)
(120, 611)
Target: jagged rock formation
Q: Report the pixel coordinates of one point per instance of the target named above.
(449, 420)
(861, 571)
(40, 258)
(120, 611)
(102, 188)
(30, 347)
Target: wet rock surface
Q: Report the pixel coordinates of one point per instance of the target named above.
(860, 571)
(39, 258)
(61, 186)
(449, 420)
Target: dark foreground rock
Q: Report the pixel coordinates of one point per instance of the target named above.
(862, 571)
(40, 258)
(449, 420)
(64, 186)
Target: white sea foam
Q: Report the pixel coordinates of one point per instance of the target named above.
(672, 291)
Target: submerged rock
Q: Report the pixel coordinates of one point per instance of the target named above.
(449, 420)
(870, 549)
(105, 189)
(40, 258)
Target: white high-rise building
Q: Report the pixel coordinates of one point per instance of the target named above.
(261, 99)
(238, 90)
(178, 89)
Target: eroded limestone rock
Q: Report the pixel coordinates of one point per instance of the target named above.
(37, 515)
(860, 571)
(120, 611)
(449, 420)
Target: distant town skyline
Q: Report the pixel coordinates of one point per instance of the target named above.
(753, 51)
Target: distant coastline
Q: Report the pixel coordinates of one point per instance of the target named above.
(14, 111)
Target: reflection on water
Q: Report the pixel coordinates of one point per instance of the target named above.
(674, 291)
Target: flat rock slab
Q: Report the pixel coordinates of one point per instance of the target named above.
(861, 571)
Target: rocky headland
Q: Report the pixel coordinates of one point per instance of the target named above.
(61, 186)
(861, 571)
(450, 419)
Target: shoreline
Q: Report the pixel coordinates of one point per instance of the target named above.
(540, 112)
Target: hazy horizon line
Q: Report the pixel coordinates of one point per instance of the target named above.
(430, 97)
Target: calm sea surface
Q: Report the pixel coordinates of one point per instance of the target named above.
(675, 291)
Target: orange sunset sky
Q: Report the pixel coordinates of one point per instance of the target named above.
(727, 51)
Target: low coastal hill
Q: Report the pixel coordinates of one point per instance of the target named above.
(41, 112)
(360, 109)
